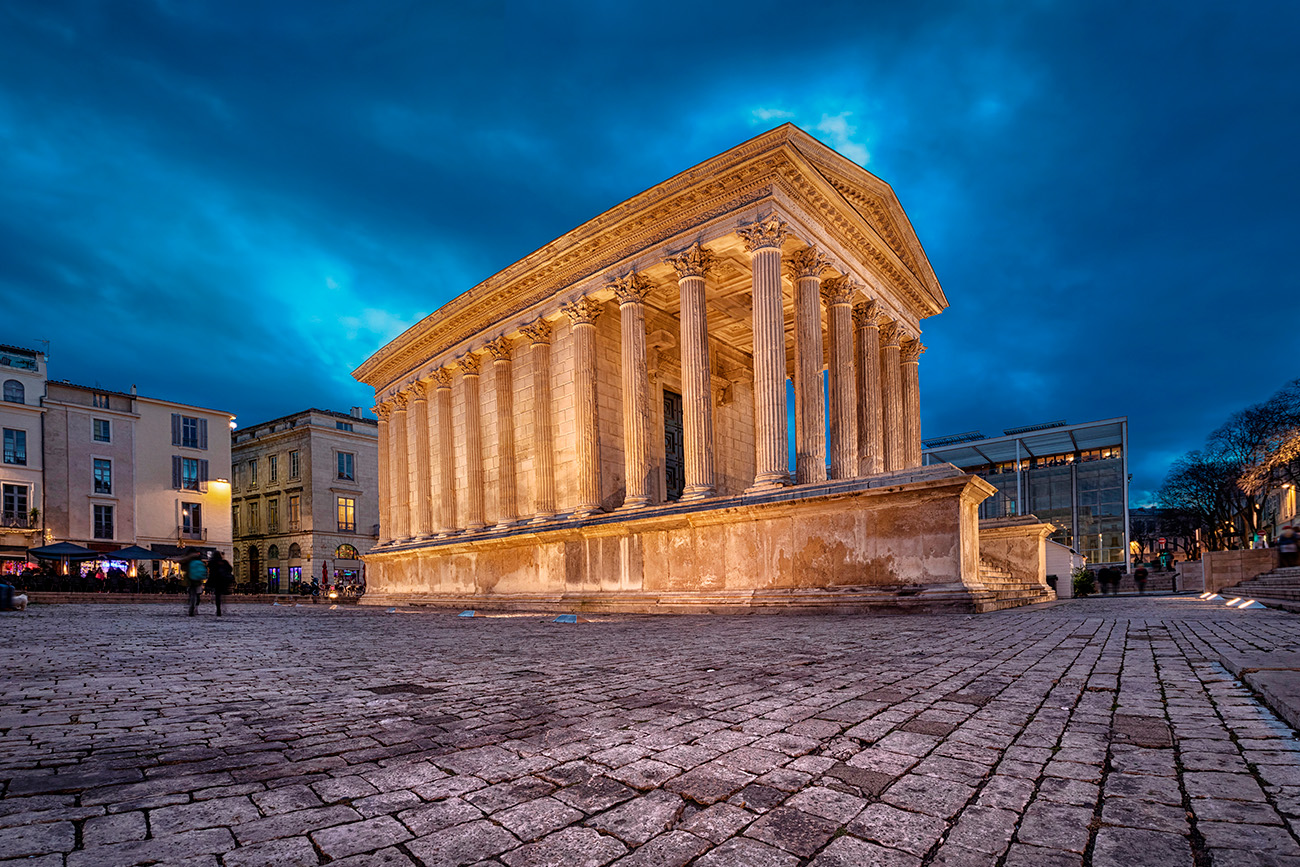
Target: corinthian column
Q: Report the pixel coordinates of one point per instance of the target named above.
(504, 384)
(871, 432)
(806, 266)
(771, 438)
(891, 396)
(697, 392)
(421, 481)
(582, 314)
(837, 292)
(910, 356)
(631, 292)
(384, 411)
(539, 336)
(446, 454)
(469, 371)
(400, 481)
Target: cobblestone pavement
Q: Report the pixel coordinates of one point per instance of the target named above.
(1089, 732)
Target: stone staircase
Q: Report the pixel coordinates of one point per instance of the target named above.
(1004, 590)
(1282, 583)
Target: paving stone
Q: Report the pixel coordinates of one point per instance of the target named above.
(382, 858)
(39, 839)
(839, 807)
(930, 795)
(1162, 790)
(572, 847)
(794, 831)
(984, 829)
(636, 821)
(344, 840)
(851, 852)
(673, 849)
(709, 783)
(899, 829)
(718, 822)
(289, 852)
(1131, 813)
(1055, 826)
(741, 852)
(463, 844)
(205, 814)
(119, 828)
(1255, 838)
(596, 794)
(1125, 847)
(286, 799)
(1024, 855)
(1234, 787)
(179, 848)
(537, 818)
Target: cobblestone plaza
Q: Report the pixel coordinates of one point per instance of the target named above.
(1089, 732)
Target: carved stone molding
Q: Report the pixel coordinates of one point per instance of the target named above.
(584, 311)
(469, 364)
(384, 410)
(808, 262)
(442, 378)
(399, 400)
(694, 262)
(633, 287)
(538, 332)
(890, 333)
(419, 390)
(767, 232)
(911, 350)
(499, 349)
(839, 290)
(868, 314)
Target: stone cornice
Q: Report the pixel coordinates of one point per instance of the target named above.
(732, 182)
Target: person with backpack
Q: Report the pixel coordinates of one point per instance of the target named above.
(195, 572)
(220, 577)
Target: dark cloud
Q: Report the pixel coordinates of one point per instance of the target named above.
(1105, 189)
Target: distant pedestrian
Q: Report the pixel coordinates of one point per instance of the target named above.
(1140, 579)
(1288, 547)
(1106, 580)
(195, 572)
(220, 576)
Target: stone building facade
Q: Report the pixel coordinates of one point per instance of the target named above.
(605, 421)
(22, 490)
(305, 499)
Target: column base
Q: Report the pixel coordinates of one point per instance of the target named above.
(587, 511)
(698, 492)
(633, 503)
(542, 519)
(447, 534)
(506, 523)
(769, 483)
(476, 528)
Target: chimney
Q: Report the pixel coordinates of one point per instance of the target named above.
(133, 389)
(356, 412)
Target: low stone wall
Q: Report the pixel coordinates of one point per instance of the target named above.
(1227, 568)
(1190, 577)
(1017, 546)
(905, 541)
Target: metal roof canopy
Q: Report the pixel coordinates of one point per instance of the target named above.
(1053, 441)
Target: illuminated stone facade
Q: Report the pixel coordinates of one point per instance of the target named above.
(605, 421)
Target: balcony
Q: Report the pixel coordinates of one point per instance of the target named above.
(17, 521)
(195, 534)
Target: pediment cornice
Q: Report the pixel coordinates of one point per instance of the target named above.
(863, 217)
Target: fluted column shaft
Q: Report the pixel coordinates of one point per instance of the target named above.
(400, 482)
(837, 292)
(446, 454)
(809, 390)
(871, 434)
(631, 292)
(422, 478)
(504, 384)
(469, 369)
(384, 411)
(697, 387)
(891, 397)
(539, 335)
(582, 316)
(771, 433)
(910, 357)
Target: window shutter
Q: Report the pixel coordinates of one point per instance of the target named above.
(176, 469)
(203, 436)
(176, 430)
(203, 475)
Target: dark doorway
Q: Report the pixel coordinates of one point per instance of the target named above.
(674, 446)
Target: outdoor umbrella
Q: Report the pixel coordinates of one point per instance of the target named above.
(63, 551)
(133, 552)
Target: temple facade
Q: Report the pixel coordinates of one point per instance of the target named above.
(605, 423)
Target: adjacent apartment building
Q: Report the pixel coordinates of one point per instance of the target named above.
(22, 491)
(305, 499)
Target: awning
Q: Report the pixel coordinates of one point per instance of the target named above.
(62, 551)
(133, 552)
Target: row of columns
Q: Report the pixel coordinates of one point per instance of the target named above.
(874, 413)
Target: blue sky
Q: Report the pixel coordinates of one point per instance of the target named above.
(235, 203)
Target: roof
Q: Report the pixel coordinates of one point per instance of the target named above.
(1057, 440)
(101, 390)
(782, 166)
(333, 413)
(7, 347)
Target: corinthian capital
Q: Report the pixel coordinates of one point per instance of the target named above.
(839, 290)
(584, 311)
(767, 232)
(399, 401)
(419, 389)
(383, 410)
(890, 333)
(808, 262)
(694, 262)
(442, 378)
(469, 364)
(499, 349)
(632, 288)
(911, 350)
(538, 332)
(868, 314)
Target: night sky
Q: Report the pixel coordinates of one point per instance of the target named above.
(234, 204)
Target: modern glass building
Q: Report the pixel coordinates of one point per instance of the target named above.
(1072, 475)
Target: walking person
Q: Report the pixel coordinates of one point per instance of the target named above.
(220, 576)
(195, 572)
(1140, 578)
(1288, 547)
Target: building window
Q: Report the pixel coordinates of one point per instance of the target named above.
(345, 466)
(252, 473)
(14, 503)
(295, 513)
(192, 520)
(343, 425)
(254, 519)
(346, 552)
(189, 432)
(273, 515)
(15, 446)
(347, 515)
(234, 520)
(100, 400)
(272, 468)
(189, 474)
(103, 476)
(103, 430)
(14, 391)
(103, 522)
(295, 467)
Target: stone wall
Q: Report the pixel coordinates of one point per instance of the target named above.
(1228, 568)
(1017, 546)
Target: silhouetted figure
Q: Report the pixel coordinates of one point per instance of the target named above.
(195, 572)
(220, 576)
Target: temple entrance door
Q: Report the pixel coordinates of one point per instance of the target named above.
(674, 446)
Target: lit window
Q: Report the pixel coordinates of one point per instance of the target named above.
(103, 476)
(234, 520)
(15, 446)
(103, 430)
(254, 520)
(103, 522)
(192, 520)
(295, 512)
(189, 474)
(101, 401)
(15, 507)
(347, 515)
(252, 473)
(345, 466)
(273, 516)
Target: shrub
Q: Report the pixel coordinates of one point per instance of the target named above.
(1084, 582)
